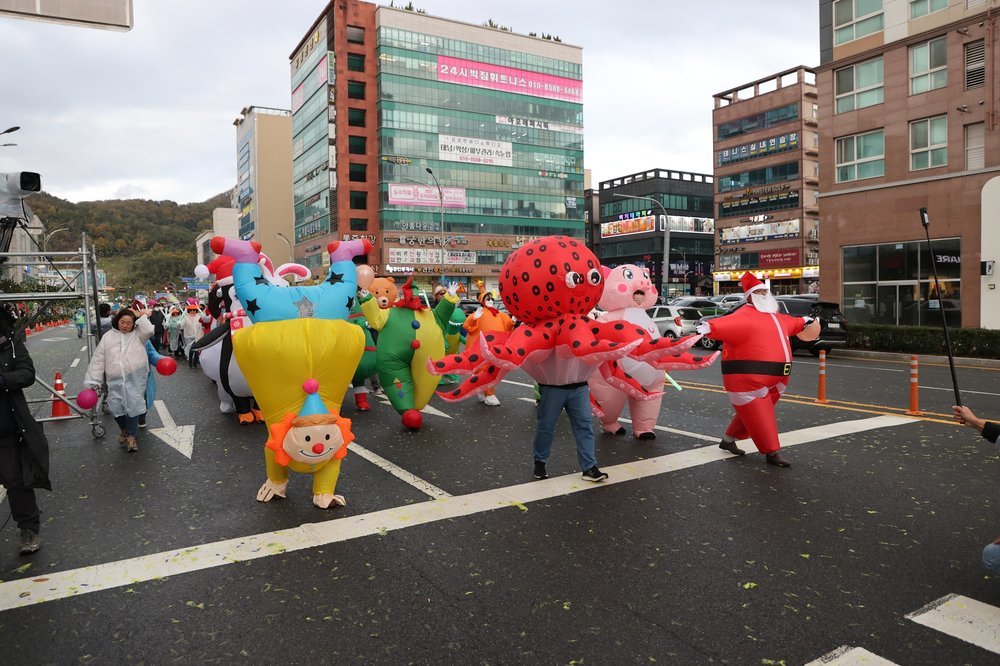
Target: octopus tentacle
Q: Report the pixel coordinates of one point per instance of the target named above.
(613, 374)
(465, 363)
(581, 335)
(654, 349)
(486, 376)
(595, 406)
(510, 350)
(685, 361)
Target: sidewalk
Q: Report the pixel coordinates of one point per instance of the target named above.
(986, 363)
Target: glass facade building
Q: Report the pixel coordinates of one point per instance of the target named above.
(404, 119)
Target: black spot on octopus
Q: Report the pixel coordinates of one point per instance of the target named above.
(537, 263)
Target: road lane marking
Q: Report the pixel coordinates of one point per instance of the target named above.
(76, 362)
(684, 433)
(851, 656)
(83, 349)
(951, 389)
(179, 438)
(963, 618)
(423, 486)
(60, 585)
(866, 368)
(3, 494)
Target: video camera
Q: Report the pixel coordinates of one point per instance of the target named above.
(14, 187)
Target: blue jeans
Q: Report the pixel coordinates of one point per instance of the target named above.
(576, 400)
(130, 424)
(991, 557)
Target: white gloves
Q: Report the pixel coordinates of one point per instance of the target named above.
(452, 288)
(704, 328)
(364, 293)
(478, 313)
(808, 320)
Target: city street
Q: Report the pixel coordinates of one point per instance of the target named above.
(450, 552)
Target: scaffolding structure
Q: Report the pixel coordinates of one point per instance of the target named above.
(76, 272)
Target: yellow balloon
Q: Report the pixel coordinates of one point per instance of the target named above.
(277, 357)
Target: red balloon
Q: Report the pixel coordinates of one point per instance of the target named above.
(166, 366)
(86, 398)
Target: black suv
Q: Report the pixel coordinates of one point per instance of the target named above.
(833, 326)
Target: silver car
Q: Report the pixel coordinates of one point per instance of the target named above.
(673, 321)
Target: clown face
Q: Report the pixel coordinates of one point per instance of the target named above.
(314, 444)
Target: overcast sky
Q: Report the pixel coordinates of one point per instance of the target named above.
(148, 113)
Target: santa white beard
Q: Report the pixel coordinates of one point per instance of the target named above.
(764, 302)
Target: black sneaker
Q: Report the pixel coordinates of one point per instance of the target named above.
(540, 472)
(594, 474)
(29, 542)
(142, 423)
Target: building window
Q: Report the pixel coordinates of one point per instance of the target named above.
(854, 19)
(357, 145)
(929, 66)
(358, 173)
(920, 8)
(929, 143)
(861, 156)
(758, 121)
(972, 4)
(859, 86)
(355, 90)
(356, 117)
(359, 200)
(355, 35)
(359, 224)
(355, 62)
(975, 64)
(975, 146)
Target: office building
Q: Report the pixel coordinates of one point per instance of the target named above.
(400, 120)
(264, 179)
(662, 220)
(766, 183)
(909, 106)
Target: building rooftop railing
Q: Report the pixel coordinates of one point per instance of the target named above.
(665, 174)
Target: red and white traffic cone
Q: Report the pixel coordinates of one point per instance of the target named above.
(59, 407)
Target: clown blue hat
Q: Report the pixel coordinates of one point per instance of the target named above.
(313, 404)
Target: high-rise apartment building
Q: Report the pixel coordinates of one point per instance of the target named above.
(660, 220)
(402, 120)
(766, 145)
(264, 179)
(909, 106)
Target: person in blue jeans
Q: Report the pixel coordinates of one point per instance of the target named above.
(991, 431)
(575, 399)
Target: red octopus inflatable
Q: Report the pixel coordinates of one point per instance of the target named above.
(550, 285)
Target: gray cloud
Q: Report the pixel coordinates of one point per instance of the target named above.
(149, 112)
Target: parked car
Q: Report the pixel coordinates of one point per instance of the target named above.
(833, 325)
(732, 301)
(702, 304)
(468, 305)
(674, 322)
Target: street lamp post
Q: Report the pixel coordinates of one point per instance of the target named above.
(666, 236)
(8, 131)
(291, 252)
(45, 240)
(444, 239)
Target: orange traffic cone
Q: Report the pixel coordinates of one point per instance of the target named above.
(60, 408)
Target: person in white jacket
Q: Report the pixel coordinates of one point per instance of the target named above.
(193, 329)
(121, 359)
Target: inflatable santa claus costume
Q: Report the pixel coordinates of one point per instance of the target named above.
(756, 365)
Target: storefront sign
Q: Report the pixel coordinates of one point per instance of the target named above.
(472, 150)
(752, 233)
(778, 258)
(426, 240)
(430, 256)
(370, 237)
(638, 225)
(538, 124)
(414, 225)
(508, 79)
(497, 242)
(401, 194)
(749, 151)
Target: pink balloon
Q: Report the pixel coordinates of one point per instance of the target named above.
(166, 366)
(87, 398)
(365, 276)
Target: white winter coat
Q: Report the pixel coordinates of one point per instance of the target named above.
(121, 358)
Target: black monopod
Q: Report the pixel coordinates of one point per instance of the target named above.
(924, 220)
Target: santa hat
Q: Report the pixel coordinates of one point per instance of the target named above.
(221, 267)
(750, 282)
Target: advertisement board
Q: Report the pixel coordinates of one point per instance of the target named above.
(752, 233)
(402, 194)
(475, 151)
(779, 258)
(749, 151)
(508, 79)
(423, 255)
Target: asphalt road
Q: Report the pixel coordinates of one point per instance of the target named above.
(454, 554)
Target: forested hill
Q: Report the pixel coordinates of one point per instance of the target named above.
(140, 244)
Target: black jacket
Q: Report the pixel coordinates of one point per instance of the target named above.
(17, 373)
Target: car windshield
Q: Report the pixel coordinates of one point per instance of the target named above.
(689, 313)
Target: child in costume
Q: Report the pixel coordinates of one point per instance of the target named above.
(486, 318)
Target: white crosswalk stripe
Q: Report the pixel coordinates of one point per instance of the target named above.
(963, 618)
(851, 656)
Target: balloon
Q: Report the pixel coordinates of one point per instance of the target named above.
(166, 366)
(365, 276)
(87, 398)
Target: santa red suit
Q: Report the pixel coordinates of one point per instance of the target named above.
(756, 366)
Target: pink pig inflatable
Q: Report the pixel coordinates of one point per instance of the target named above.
(628, 292)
